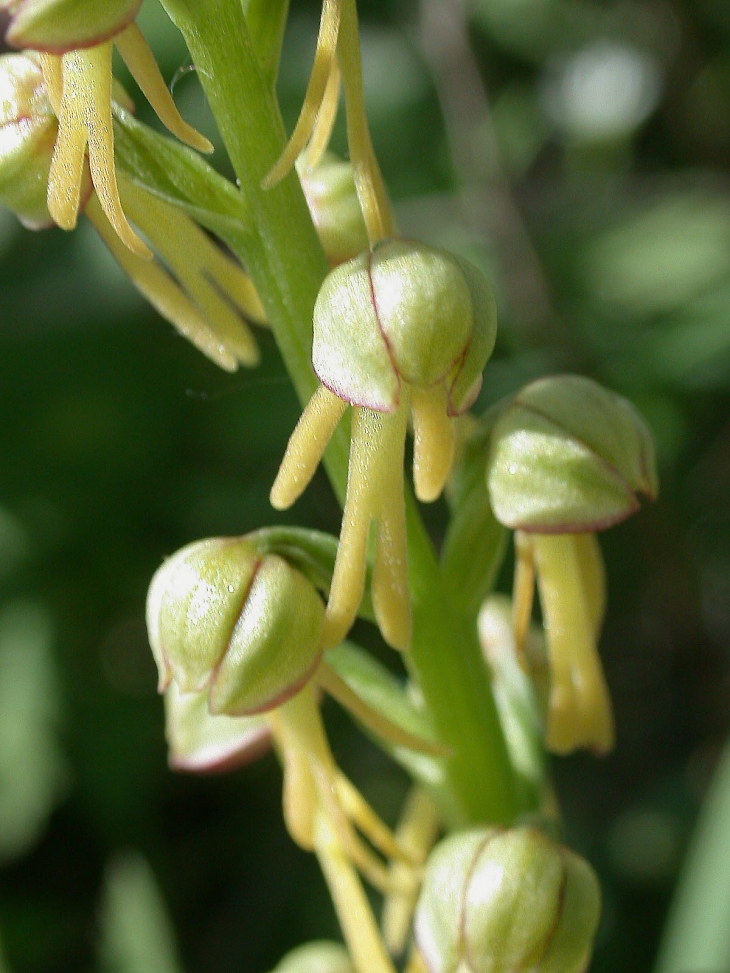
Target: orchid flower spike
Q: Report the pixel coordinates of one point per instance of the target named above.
(401, 331)
(76, 58)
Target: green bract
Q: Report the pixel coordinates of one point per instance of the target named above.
(568, 456)
(57, 26)
(329, 188)
(244, 627)
(27, 135)
(512, 901)
(320, 956)
(404, 312)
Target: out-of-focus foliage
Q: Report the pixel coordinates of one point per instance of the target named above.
(136, 936)
(579, 151)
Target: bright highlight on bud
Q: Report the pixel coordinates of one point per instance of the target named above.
(404, 330)
(220, 620)
(511, 901)
(568, 455)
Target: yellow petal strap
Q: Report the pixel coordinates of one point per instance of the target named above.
(523, 594)
(306, 446)
(417, 831)
(325, 119)
(236, 285)
(52, 68)
(594, 577)
(351, 904)
(300, 798)
(433, 442)
(143, 67)
(579, 711)
(374, 491)
(163, 293)
(324, 57)
(298, 725)
(194, 259)
(85, 117)
(375, 721)
(370, 824)
(368, 178)
(389, 588)
(415, 962)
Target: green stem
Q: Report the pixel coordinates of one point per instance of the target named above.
(286, 262)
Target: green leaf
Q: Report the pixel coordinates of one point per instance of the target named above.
(386, 694)
(137, 936)
(180, 176)
(33, 772)
(697, 935)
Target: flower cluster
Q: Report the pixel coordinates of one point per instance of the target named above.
(75, 43)
(247, 631)
(402, 330)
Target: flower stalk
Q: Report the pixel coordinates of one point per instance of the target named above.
(286, 262)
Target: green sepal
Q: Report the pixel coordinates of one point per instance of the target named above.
(387, 695)
(475, 542)
(403, 313)
(468, 380)
(201, 743)
(349, 353)
(179, 175)
(506, 901)
(424, 306)
(57, 26)
(568, 456)
(320, 956)
(329, 189)
(243, 627)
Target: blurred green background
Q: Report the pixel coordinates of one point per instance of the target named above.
(579, 151)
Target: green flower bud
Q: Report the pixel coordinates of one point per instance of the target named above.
(242, 626)
(329, 189)
(320, 956)
(57, 26)
(568, 456)
(403, 313)
(28, 130)
(203, 744)
(513, 901)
